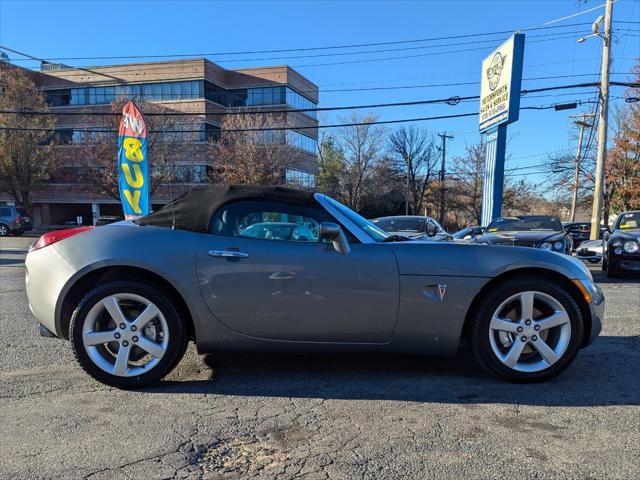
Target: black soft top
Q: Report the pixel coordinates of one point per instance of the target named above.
(193, 209)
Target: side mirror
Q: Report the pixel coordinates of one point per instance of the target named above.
(333, 233)
(431, 229)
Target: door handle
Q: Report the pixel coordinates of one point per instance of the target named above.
(227, 254)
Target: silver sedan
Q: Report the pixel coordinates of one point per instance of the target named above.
(129, 296)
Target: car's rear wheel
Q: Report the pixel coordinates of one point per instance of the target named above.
(4, 230)
(127, 334)
(527, 330)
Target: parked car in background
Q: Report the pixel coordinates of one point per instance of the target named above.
(468, 233)
(536, 231)
(414, 227)
(279, 231)
(622, 246)
(14, 220)
(578, 231)
(581, 232)
(591, 251)
(131, 295)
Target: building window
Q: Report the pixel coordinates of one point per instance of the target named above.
(297, 101)
(58, 98)
(300, 177)
(302, 142)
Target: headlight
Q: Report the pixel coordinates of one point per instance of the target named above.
(558, 246)
(618, 250)
(630, 247)
(546, 246)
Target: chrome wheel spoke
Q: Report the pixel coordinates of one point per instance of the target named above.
(146, 316)
(526, 304)
(99, 338)
(503, 325)
(545, 351)
(113, 307)
(555, 320)
(513, 355)
(122, 361)
(153, 348)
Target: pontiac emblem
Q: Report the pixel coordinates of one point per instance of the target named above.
(441, 291)
(495, 70)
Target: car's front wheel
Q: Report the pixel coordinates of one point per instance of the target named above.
(4, 230)
(529, 329)
(127, 334)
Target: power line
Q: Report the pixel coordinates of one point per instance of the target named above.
(286, 127)
(303, 49)
(453, 100)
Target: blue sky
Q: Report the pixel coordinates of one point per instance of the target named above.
(95, 28)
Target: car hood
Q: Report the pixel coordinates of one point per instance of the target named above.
(591, 245)
(523, 239)
(473, 260)
(626, 234)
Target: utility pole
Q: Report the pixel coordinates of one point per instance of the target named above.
(582, 124)
(598, 194)
(443, 149)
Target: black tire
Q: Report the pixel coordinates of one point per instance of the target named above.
(593, 260)
(479, 332)
(178, 337)
(4, 230)
(612, 270)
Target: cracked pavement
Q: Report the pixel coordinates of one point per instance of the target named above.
(316, 417)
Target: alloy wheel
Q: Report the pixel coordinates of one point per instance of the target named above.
(125, 334)
(4, 231)
(529, 331)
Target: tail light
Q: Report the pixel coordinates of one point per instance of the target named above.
(18, 218)
(50, 238)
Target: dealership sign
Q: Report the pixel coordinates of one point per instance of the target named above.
(133, 165)
(501, 83)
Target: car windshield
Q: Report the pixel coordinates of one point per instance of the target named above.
(402, 224)
(21, 211)
(628, 221)
(525, 224)
(375, 232)
(463, 233)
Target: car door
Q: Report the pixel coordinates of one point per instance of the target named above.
(297, 287)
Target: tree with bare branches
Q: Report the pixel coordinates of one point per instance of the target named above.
(25, 155)
(94, 153)
(363, 146)
(414, 151)
(244, 155)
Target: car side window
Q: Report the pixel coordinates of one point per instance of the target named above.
(268, 221)
(5, 212)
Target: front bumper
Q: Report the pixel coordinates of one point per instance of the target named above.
(596, 310)
(628, 262)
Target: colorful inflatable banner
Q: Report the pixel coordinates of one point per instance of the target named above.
(132, 163)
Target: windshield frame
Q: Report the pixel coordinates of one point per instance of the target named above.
(635, 214)
(524, 218)
(361, 228)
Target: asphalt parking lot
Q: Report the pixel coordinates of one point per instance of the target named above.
(344, 417)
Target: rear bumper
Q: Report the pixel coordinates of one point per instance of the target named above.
(46, 274)
(20, 227)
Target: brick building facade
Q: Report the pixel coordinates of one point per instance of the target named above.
(198, 87)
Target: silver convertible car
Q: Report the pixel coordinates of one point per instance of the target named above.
(131, 295)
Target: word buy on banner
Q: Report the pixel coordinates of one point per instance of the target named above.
(133, 165)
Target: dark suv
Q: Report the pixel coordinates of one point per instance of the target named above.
(14, 220)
